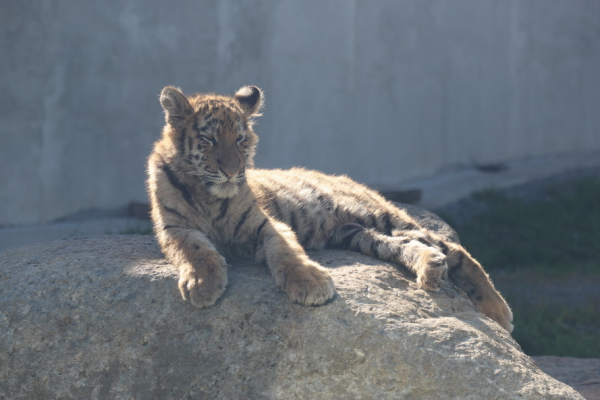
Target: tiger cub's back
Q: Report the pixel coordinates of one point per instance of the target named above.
(314, 203)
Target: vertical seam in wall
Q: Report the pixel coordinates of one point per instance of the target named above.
(51, 146)
(512, 67)
(352, 47)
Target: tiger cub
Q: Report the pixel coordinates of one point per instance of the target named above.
(208, 201)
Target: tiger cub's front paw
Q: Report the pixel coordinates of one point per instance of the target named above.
(202, 287)
(308, 284)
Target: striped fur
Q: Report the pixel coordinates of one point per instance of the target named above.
(209, 202)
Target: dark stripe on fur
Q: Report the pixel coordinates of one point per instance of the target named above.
(349, 227)
(360, 221)
(372, 221)
(195, 127)
(307, 236)
(223, 209)
(177, 184)
(260, 228)
(170, 227)
(397, 250)
(173, 211)
(182, 141)
(425, 242)
(290, 193)
(190, 143)
(348, 239)
(456, 266)
(257, 236)
(293, 222)
(241, 222)
(387, 224)
(409, 226)
(374, 248)
(322, 226)
(277, 209)
(326, 202)
(443, 247)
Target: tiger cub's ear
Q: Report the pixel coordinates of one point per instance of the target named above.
(250, 99)
(176, 105)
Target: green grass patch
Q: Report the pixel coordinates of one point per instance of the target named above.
(131, 228)
(558, 234)
(137, 230)
(557, 329)
(549, 237)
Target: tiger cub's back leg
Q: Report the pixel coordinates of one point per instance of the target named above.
(469, 275)
(425, 261)
(431, 260)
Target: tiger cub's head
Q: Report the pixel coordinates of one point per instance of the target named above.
(212, 135)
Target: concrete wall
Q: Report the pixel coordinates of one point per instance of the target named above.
(385, 91)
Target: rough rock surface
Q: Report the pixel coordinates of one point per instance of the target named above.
(583, 374)
(101, 318)
(431, 221)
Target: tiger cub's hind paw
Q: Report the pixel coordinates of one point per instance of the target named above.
(432, 270)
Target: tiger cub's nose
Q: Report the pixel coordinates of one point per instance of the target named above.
(229, 174)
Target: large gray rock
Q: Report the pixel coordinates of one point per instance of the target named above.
(583, 374)
(102, 318)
